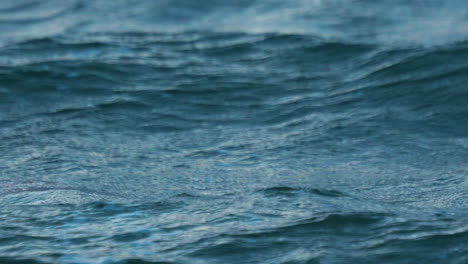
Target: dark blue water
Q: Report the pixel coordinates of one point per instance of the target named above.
(233, 131)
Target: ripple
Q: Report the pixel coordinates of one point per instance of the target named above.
(250, 132)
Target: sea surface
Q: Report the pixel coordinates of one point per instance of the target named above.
(216, 131)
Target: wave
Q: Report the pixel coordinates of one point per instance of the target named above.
(217, 132)
(174, 229)
(285, 87)
(391, 22)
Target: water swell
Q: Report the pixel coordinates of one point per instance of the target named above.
(369, 235)
(378, 85)
(247, 132)
(382, 21)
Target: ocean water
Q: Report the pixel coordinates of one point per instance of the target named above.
(216, 131)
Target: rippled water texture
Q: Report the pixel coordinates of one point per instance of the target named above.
(233, 131)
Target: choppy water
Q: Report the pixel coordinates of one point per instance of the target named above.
(233, 131)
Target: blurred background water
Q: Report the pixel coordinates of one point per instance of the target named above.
(215, 131)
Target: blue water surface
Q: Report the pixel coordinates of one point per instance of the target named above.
(215, 131)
